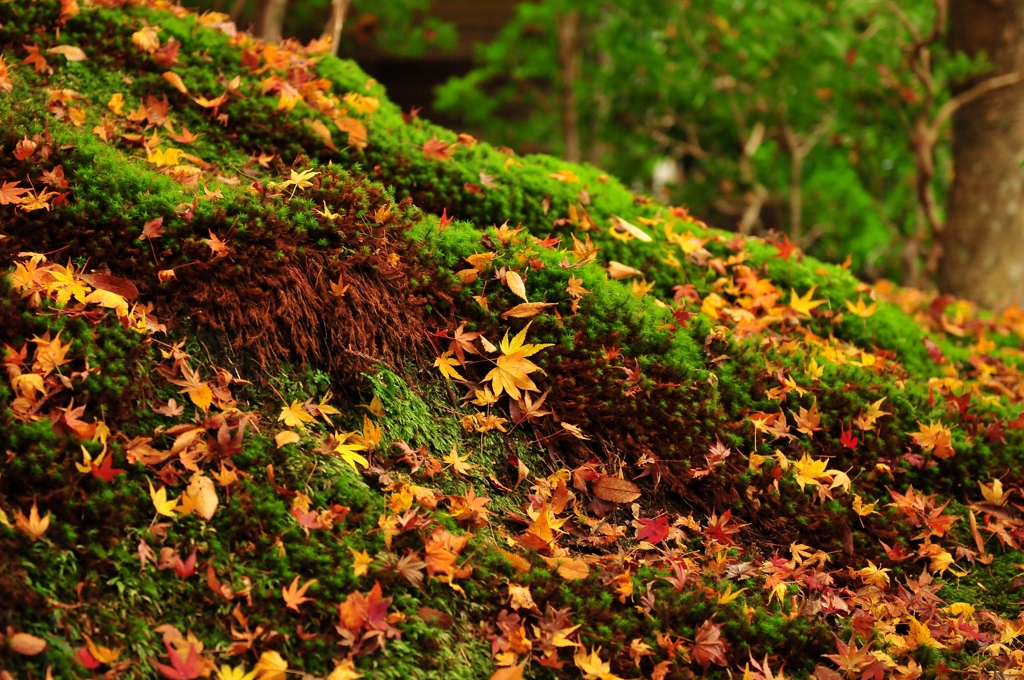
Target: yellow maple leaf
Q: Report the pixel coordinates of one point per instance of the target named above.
(459, 462)
(348, 451)
(271, 667)
(934, 437)
(861, 508)
(66, 285)
(593, 667)
(808, 421)
(163, 506)
(866, 420)
(809, 471)
(728, 596)
(446, 364)
(162, 157)
(872, 575)
(515, 283)
(513, 368)
(226, 672)
(146, 39)
(860, 309)
(301, 180)
(994, 493)
(102, 654)
(345, 670)
(109, 300)
(361, 562)
(804, 305)
(920, 636)
(294, 415)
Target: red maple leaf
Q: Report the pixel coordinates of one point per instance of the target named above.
(445, 220)
(785, 247)
(187, 669)
(654, 530)
(186, 569)
(848, 440)
(105, 470)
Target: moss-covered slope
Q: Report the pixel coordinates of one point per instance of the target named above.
(293, 381)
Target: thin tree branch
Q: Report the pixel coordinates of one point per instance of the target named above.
(976, 92)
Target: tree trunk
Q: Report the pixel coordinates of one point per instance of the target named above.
(339, 8)
(568, 55)
(983, 240)
(273, 20)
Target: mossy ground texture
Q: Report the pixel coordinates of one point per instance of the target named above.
(295, 383)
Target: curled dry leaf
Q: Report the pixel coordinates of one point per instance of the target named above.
(176, 82)
(635, 231)
(27, 645)
(286, 437)
(526, 310)
(619, 271)
(615, 490)
(516, 285)
(69, 52)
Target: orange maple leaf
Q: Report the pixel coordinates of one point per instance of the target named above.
(294, 595)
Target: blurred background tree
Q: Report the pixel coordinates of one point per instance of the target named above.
(797, 116)
(825, 122)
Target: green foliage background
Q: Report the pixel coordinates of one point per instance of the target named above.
(693, 82)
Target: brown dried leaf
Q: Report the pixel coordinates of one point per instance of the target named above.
(615, 490)
(27, 645)
(526, 309)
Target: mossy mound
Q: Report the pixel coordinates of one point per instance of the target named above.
(268, 406)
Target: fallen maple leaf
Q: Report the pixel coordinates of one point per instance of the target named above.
(513, 368)
(994, 493)
(525, 310)
(189, 668)
(515, 284)
(436, 149)
(593, 667)
(286, 437)
(934, 437)
(11, 193)
(808, 421)
(510, 673)
(446, 364)
(348, 451)
(361, 562)
(653, 530)
(271, 667)
(146, 39)
(294, 415)
(105, 470)
(804, 305)
(175, 80)
(163, 506)
(217, 247)
(294, 595)
(153, 228)
(615, 490)
(33, 525)
(708, 645)
(69, 52)
(459, 462)
(340, 288)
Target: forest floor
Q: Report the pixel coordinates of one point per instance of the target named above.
(297, 383)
